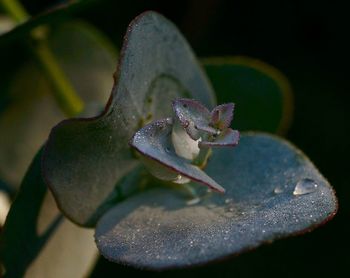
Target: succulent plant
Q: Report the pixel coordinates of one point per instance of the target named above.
(163, 106)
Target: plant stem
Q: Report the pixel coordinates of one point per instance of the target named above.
(15, 10)
(202, 159)
(64, 93)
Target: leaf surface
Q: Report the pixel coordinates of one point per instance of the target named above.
(160, 230)
(85, 159)
(87, 59)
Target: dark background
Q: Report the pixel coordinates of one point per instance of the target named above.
(307, 41)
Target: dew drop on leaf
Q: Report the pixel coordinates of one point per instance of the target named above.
(181, 179)
(305, 186)
(278, 190)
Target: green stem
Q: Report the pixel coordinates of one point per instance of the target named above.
(15, 10)
(202, 159)
(63, 91)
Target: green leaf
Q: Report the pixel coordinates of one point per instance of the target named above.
(88, 59)
(37, 241)
(261, 93)
(85, 159)
(50, 16)
(161, 228)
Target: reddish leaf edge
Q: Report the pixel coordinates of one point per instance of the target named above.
(228, 258)
(106, 111)
(216, 187)
(228, 132)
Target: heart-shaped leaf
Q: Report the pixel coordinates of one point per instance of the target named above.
(261, 93)
(84, 160)
(87, 58)
(37, 241)
(160, 229)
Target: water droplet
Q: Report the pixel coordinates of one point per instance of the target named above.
(181, 180)
(227, 201)
(305, 186)
(278, 190)
(193, 201)
(263, 231)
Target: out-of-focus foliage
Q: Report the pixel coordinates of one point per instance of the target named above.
(88, 60)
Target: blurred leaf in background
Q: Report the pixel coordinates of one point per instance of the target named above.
(88, 59)
(262, 94)
(27, 114)
(37, 241)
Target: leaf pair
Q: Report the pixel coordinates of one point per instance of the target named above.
(212, 129)
(165, 142)
(87, 163)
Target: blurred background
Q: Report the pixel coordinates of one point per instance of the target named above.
(307, 41)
